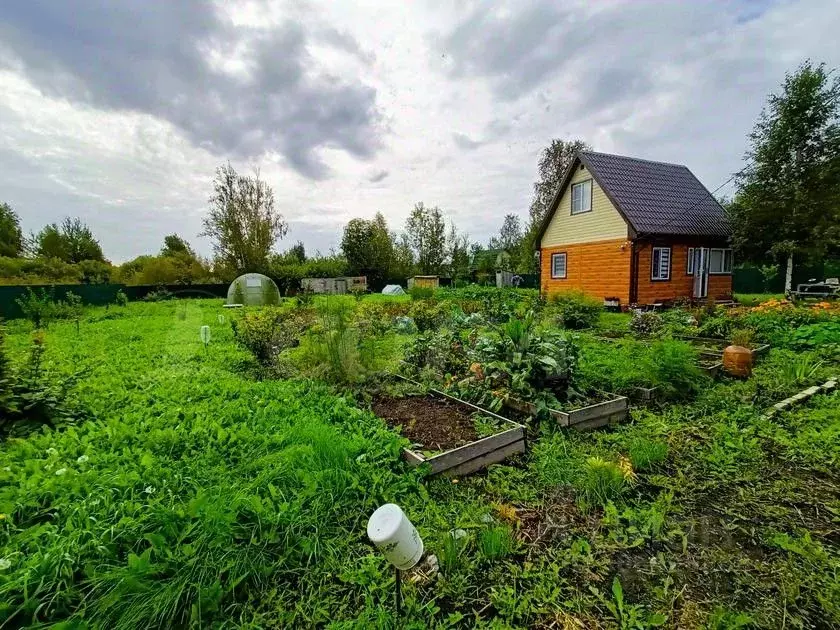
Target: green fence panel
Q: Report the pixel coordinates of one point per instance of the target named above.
(101, 294)
(748, 279)
(94, 294)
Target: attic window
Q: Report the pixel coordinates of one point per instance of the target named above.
(582, 197)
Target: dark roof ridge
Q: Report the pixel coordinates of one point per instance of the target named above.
(635, 159)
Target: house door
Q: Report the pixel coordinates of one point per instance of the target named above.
(701, 272)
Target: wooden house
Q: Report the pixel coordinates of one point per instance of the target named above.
(634, 232)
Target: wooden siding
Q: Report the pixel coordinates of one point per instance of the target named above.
(603, 222)
(681, 285)
(601, 269)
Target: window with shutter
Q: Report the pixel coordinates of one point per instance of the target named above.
(660, 268)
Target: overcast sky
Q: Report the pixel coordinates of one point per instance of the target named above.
(119, 112)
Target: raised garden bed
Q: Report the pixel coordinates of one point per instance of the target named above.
(599, 414)
(443, 432)
(644, 394)
(712, 347)
(712, 367)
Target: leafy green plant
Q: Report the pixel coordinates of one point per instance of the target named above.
(576, 310)
(742, 337)
(531, 365)
(270, 330)
(801, 369)
(673, 367)
(441, 351)
(428, 314)
(32, 396)
(630, 616)
(305, 297)
(37, 306)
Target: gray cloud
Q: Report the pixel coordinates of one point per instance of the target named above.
(156, 57)
(465, 142)
(589, 59)
(378, 176)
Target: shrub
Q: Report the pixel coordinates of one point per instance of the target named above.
(37, 306)
(70, 307)
(31, 396)
(646, 323)
(121, 299)
(428, 314)
(268, 331)
(161, 294)
(576, 310)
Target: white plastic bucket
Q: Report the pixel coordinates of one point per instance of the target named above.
(394, 535)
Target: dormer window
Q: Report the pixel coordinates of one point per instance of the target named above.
(582, 197)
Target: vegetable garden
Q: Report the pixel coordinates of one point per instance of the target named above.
(148, 481)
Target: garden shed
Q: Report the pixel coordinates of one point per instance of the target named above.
(253, 289)
(428, 282)
(335, 286)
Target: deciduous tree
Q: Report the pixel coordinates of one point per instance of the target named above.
(788, 199)
(554, 160)
(11, 237)
(242, 221)
(426, 232)
(72, 242)
(368, 248)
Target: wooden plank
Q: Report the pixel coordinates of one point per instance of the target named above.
(761, 350)
(413, 459)
(601, 421)
(644, 394)
(477, 463)
(600, 409)
(459, 455)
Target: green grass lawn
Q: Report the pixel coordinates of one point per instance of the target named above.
(196, 496)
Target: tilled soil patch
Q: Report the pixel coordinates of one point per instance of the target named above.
(435, 424)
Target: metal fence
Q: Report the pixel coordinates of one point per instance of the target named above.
(101, 294)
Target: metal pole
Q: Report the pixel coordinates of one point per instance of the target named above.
(398, 592)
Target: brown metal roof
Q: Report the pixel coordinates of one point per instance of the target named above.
(653, 197)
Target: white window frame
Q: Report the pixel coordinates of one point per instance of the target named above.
(725, 256)
(556, 256)
(656, 274)
(580, 197)
(689, 263)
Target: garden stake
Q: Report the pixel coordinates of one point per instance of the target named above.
(393, 534)
(398, 592)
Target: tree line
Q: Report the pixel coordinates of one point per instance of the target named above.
(786, 207)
